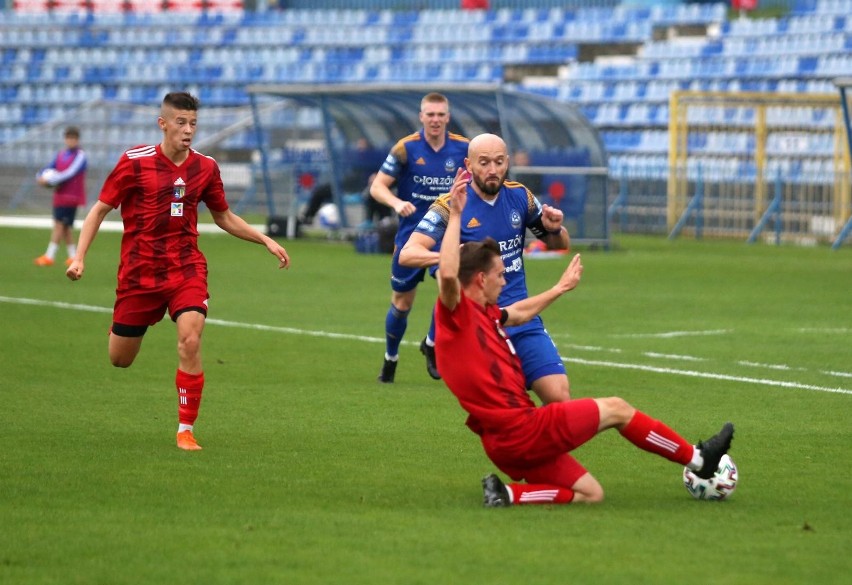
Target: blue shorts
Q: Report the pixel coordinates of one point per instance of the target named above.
(403, 278)
(65, 215)
(539, 355)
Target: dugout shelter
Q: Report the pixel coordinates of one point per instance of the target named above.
(567, 163)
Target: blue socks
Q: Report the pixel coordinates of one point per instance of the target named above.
(395, 325)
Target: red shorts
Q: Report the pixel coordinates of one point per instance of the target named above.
(537, 449)
(143, 307)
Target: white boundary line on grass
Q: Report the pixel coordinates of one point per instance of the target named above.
(107, 226)
(672, 334)
(709, 375)
(606, 364)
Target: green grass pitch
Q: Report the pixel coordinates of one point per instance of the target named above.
(313, 473)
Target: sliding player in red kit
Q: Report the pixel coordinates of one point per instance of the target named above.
(159, 188)
(480, 367)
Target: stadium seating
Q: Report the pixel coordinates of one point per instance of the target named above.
(51, 63)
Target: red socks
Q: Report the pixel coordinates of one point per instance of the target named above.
(652, 435)
(189, 387)
(539, 493)
(642, 430)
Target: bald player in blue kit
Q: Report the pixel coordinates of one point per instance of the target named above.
(502, 210)
(423, 165)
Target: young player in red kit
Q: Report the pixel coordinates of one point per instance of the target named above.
(526, 442)
(159, 188)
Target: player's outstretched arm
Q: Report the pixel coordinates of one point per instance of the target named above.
(90, 228)
(524, 310)
(449, 287)
(417, 251)
(237, 226)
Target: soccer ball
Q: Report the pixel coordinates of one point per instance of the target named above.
(718, 487)
(49, 175)
(329, 216)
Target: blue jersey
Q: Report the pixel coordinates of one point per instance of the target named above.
(422, 174)
(505, 219)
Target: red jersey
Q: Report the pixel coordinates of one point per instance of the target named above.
(480, 367)
(159, 205)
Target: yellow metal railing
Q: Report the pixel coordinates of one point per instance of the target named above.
(744, 147)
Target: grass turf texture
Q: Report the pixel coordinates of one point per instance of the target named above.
(313, 473)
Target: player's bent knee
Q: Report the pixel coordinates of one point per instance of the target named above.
(121, 362)
(588, 490)
(595, 497)
(614, 412)
(619, 408)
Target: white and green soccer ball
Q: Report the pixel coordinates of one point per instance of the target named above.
(719, 487)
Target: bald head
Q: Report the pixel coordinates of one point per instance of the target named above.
(485, 142)
(488, 163)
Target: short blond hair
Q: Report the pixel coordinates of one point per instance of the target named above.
(434, 98)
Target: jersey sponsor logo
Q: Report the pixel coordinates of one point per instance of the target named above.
(432, 217)
(420, 161)
(426, 226)
(515, 218)
(179, 189)
(450, 165)
(473, 223)
(390, 164)
(511, 250)
(177, 209)
(513, 244)
(433, 181)
(424, 197)
(429, 222)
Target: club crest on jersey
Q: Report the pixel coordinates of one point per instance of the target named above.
(450, 165)
(179, 190)
(177, 209)
(516, 219)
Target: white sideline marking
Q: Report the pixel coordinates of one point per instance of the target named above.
(839, 330)
(106, 226)
(669, 334)
(710, 375)
(784, 367)
(303, 331)
(55, 304)
(293, 330)
(838, 374)
(669, 356)
(593, 348)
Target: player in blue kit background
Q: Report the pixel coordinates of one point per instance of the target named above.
(502, 210)
(423, 165)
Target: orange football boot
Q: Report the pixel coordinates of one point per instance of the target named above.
(186, 441)
(43, 261)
